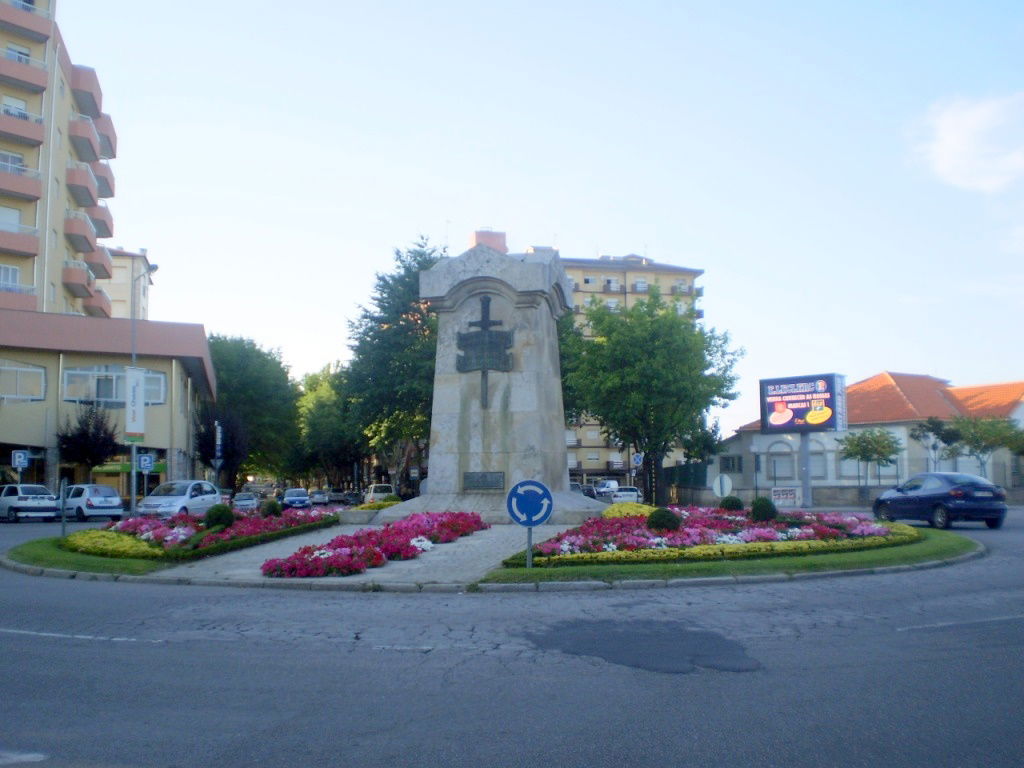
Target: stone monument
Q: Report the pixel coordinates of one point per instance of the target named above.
(497, 414)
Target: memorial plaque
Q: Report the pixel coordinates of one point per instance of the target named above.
(483, 481)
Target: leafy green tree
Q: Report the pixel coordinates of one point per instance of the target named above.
(875, 445)
(332, 436)
(234, 440)
(650, 375)
(936, 436)
(570, 340)
(980, 438)
(254, 391)
(91, 440)
(391, 375)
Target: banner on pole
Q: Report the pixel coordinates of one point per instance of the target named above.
(135, 405)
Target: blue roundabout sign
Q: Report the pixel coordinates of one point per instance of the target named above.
(529, 503)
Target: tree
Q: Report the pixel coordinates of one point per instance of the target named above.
(255, 393)
(331, 433)
(392, 370)
(91, 440)
(936, 436)
(650, 375)
(980, 438)
(234, 440)
(876, 445)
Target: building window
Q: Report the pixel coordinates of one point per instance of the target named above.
(612, 304)
(593, 456)
(21, 381)
(611, 283)
(19, 53)
(10, 219)
(12, 162)
(589, 280)
(732, 463)
(106, 384)
(10, 277)
(641, 286)
(13, 107)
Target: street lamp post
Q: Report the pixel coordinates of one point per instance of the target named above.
(150, 269)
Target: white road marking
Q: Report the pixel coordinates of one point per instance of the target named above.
(416, 648)
(960, 623)
(15, 758)
(63, 636)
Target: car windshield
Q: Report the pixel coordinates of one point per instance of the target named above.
(170, 489)
(104, 491)
(292, 492)
(34, 490)
(244, 496)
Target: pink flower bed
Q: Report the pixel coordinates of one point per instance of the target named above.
(702, 525)
(373, 547)
(175, 531)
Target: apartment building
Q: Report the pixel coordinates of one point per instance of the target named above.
(617, 282)
(69, 324)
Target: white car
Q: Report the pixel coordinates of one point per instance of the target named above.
(378, 492)
(246, 501)
(22, 501)
(625, 493)
(85, 501)
(193, 497)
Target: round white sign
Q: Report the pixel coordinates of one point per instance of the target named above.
(722, 486)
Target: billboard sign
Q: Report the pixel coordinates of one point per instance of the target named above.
(135, 405)
(803, 404)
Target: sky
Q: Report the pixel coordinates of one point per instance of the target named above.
(850, 177)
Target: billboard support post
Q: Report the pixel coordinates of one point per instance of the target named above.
(805, 468)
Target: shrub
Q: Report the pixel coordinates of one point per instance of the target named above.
(663, 519)
(218, 514)
(393, 497)
(627, 509)
(731, 503)
(378, 504)
(270, 508)
(762, 509)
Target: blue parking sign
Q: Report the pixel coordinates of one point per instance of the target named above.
(145, 461)
(19, 459)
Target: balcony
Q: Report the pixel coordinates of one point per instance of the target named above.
(20, 181)
(573, 442)
(97, 305)
(79, 231)
(698, 292)
(23, 72)
(612, 288)
(77, 279)
(26, 20)
(682, 290)
(20, 126)
(19, 240)
(100, 262)
(17, 297)
(84, 138)
(641, 287)
(82, 184)
(108, 136)
(104, 178)
(102, 221)
(85, 87)
(616, 464)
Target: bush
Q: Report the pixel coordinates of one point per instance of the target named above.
(663, 519)
(393, 497)
(731, 503)
(270, 508)
(218, 514)
(762, 509)
(627, 509)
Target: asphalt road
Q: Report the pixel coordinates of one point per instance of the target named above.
(912, 669)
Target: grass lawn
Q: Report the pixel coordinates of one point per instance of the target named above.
(45, 553)
(936, 545)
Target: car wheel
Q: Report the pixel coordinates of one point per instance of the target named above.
(79, 515)
(12, 515)
(183, 511)
(115, 517)
(939, 517)
(994, 522)
(885, 513)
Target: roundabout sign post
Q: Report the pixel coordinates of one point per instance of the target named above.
(529, 503)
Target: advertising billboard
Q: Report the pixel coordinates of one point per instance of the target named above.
(803, 404)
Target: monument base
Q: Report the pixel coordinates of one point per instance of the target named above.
(571, 508)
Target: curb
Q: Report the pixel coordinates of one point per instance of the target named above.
(337, 585)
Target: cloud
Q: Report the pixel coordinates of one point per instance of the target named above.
(977, 145)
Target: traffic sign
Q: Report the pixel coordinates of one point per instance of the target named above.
(529, 503)
(145, 462)
(638, 459)
(19, 459)
(722, 485)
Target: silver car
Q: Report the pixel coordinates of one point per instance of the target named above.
(85, 501)
(192, 497)
(245, 501)
(24, 501)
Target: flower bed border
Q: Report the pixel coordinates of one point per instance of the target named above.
(901, 534)
(243, 542)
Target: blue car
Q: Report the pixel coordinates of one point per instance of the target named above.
(296, 498)
(943, 497)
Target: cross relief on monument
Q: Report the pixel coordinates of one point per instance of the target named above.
(484, 350)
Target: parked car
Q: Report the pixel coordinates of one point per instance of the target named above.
(943, 497)
(25, 501)
(605, 487)
(336, 495)
(87, 500)
(575, 487)
(295, 498)
(378, 492)
(625, 493)
(193, 497)
(246, 501)
(318, 497)
(589, 490)
(351, 498)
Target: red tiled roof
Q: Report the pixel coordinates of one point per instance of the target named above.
(991, 401)
(893, 397)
